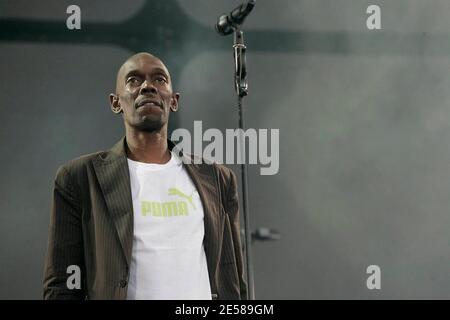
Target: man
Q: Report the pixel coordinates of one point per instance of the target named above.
(140, 220)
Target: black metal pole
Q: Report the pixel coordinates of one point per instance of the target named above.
(241, 87)
(244, 179)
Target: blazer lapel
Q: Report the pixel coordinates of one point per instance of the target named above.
(112, 172)
(204, 179)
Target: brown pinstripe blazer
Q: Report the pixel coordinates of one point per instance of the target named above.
(91, 226)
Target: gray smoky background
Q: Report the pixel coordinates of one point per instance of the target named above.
(364, 122)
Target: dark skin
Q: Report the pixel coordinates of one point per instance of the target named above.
(145, 98)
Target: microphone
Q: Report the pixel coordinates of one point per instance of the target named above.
(227, 23)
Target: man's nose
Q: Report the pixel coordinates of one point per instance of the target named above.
(148, 87)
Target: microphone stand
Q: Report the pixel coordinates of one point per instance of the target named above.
(241, 86)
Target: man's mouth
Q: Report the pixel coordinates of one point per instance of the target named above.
(149, 102)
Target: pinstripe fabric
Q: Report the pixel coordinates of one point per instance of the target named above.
(91, 226)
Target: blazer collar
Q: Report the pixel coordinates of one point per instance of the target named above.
(112, 172)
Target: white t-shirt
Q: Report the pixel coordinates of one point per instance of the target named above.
(168, 258)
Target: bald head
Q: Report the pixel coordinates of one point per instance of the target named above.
(137, 62)
(144, 93)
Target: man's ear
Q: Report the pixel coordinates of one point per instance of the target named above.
(115, 105)
(174, 102)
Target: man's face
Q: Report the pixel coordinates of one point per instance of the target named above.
(144, 93)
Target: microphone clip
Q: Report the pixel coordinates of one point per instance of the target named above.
(240, 63)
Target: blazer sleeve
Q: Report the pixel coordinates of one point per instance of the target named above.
(65, 241)
(233, 211)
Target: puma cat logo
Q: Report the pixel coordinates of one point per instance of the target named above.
(178, 192)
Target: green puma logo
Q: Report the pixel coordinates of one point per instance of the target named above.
(177, 192)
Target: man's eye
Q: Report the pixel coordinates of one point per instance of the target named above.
(133, 80)
(160, 80)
